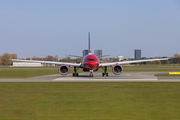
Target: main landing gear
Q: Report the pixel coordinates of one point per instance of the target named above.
(105, 72)
(75, 74)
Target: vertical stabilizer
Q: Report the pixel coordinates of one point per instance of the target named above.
(89, 43)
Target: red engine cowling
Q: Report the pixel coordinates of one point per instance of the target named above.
(117, 69)
(64, 69)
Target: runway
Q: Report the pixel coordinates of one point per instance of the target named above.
(84, 77)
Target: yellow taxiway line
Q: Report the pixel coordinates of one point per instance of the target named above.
(174, 73)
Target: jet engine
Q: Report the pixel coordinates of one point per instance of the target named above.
(64, 69)
(117, 69)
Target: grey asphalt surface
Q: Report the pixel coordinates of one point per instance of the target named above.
(84, 77)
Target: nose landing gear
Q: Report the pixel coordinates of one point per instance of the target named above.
(91, 73)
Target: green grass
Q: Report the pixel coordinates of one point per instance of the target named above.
(14, 72)
(26, 72)
(90, 101)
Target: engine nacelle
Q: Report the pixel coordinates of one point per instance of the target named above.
(64, 69)
(117, 69)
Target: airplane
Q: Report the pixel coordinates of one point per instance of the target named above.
(90, 63)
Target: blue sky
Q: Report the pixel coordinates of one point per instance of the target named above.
(60, 27)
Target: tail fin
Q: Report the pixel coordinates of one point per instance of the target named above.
(89, 43)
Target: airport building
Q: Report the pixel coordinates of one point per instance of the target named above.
(85, 52)
(30, 64)
(26, 64)
(120, 58)
(98, 53)
(137, 54)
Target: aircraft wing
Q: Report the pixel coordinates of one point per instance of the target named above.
(127, 62)
(50, 62)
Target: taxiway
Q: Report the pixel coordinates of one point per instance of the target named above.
(84, 77)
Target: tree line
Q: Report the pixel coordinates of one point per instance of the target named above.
(3, 61)
(174, 60)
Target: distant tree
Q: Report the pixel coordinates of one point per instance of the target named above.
(114, 60)
(50, 58)
(0, 60)
(105, 60)
(68, 59)
(14, 56)
(34, 58)
(55, 58)
(28, 59)
(44, 59)
(4, 61)
(165, 61)
(176, 55)
(174, 61)
(78, 60)
(155, 62)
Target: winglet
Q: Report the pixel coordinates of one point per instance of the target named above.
(89, 43)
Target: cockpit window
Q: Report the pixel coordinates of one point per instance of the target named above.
(91, 59)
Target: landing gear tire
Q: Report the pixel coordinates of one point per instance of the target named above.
(91, 75)
(107, 74)
(75, 74)
(103, 74)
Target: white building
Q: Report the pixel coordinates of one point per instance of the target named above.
(120, 58)
(26, 64)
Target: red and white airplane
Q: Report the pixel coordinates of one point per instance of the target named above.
(90, 63)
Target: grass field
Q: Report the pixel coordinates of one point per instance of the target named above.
(14, 72)
(9, 72)
(90, 101)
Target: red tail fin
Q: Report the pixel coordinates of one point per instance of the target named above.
(89, 44)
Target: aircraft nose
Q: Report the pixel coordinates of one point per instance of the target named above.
(93, 64)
